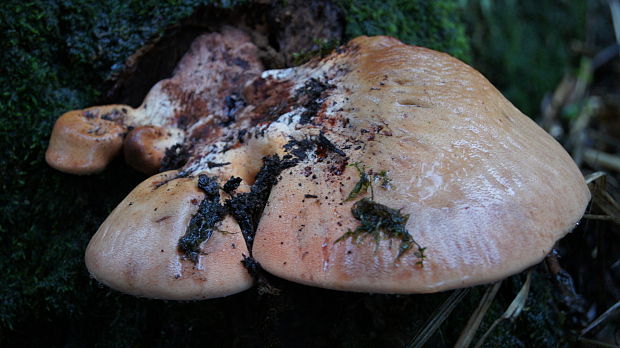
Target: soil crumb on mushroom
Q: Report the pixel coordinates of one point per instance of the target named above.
(174, 158)
(232, 184)
(247, 207)
(203, 223)
(313, 93)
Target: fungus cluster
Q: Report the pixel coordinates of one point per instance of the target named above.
(381, 168)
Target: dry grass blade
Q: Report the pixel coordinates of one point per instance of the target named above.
(598, 217)
(601, 198)
(592, 177)
(598, 343)
(613, 310)
(614, 6)
(437, 318)
(596, 158)
(514, 309)
(468, 333)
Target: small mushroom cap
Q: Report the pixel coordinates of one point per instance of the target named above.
(135, 249)
(190, 104)
(487, 191)
(145, 147)
(82, 142)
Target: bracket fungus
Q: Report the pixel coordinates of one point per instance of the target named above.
(381, 168)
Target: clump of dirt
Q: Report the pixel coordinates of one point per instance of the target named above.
(204, 222)
(175, 157)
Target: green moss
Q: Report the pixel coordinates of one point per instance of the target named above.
(378, 221)
(322, 47)
(362, 185)
(366, 180)
(55, 55)
(430, 23)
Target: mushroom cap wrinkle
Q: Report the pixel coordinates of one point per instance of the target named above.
(479, 191)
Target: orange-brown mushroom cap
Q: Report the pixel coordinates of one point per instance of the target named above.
(487, 192)
(85, 141)
(135, 250)
(145, 147)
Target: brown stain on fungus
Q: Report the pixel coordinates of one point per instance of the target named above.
(270, 98)
(163, 219)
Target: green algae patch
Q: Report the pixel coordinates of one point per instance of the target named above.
(377, 221)
(362, 185)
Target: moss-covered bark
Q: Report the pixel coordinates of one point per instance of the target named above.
(56, 55)
(433, 24)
